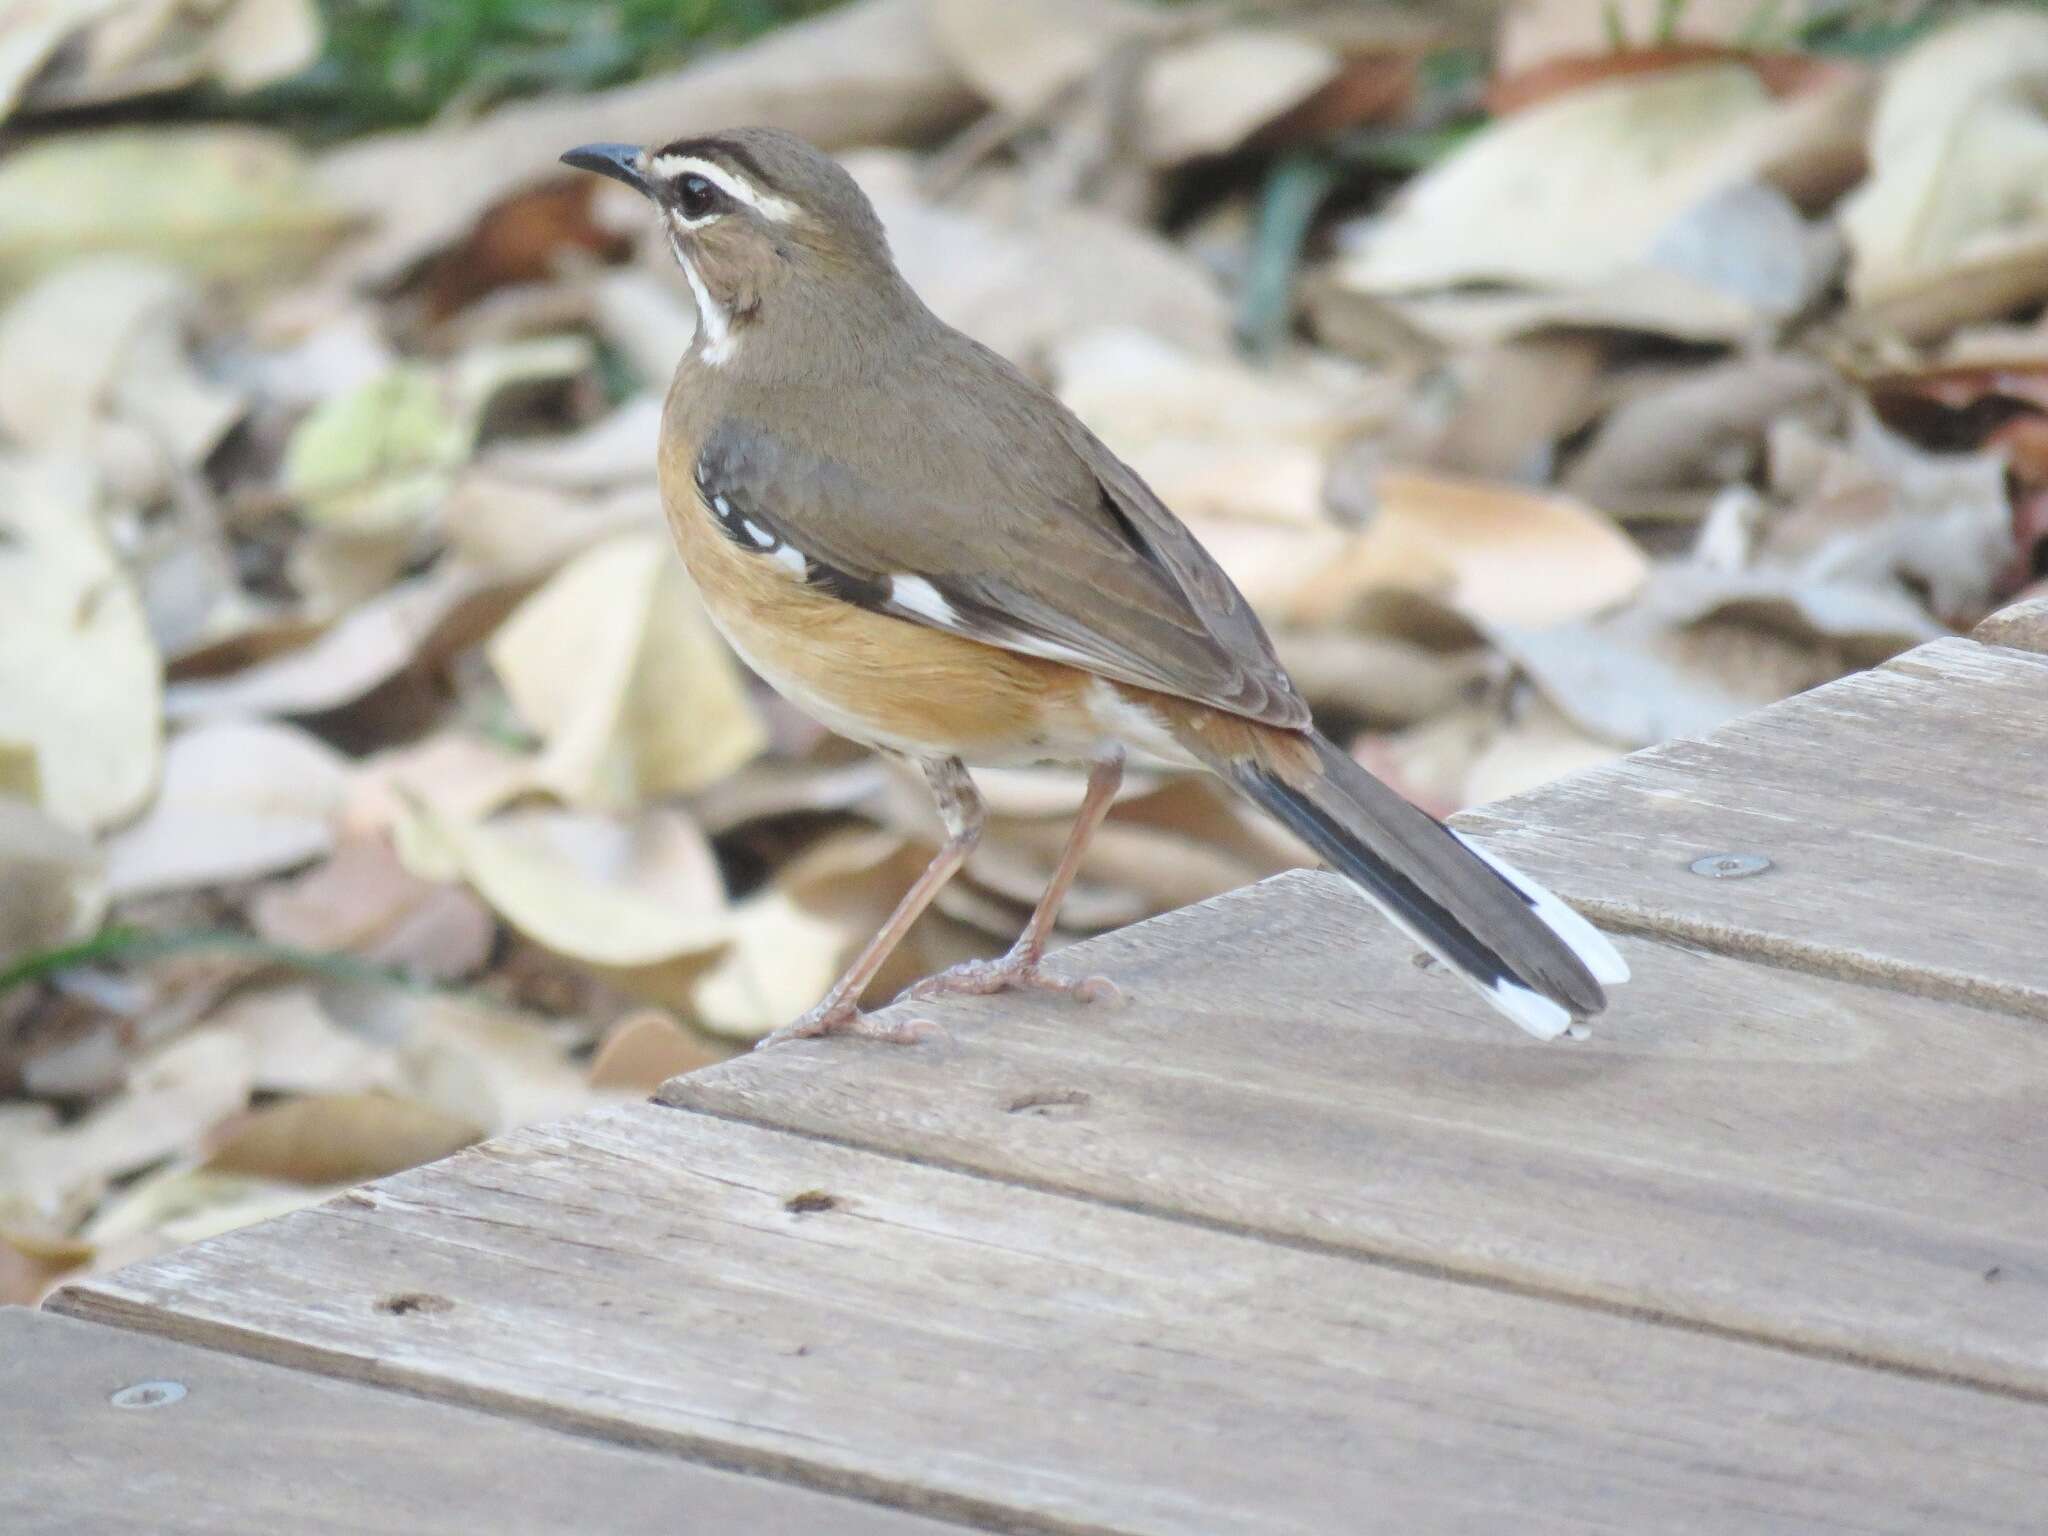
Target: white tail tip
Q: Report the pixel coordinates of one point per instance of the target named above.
(1593, 948)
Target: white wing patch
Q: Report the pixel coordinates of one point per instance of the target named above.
(920, 597)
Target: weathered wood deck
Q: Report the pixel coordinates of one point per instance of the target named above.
(1297, 1238)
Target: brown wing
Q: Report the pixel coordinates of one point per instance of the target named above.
(1059, 551)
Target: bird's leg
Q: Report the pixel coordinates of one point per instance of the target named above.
(961, 810)
(1021, 966)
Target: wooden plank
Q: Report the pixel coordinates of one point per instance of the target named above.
(111, 1431)
(1054, 1364)
(2023, 626)
(1785, 1156)
(1904, 812)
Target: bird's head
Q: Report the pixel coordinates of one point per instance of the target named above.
(751, 213)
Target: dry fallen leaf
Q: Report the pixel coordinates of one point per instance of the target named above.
(380, 458)
(595, 889)
(79, 53)
(364, 900)
(644, 1050)
(616, 667)
(221, 202)
(101, 337)
(52, 881)
(457, 773)
(1020, 54)
(238, 800)
(1689, 655)
(1207, 95)
(791, 941)
(1665, 451)
(1878, 512)
(1022, 283)
(1215, 438)
(868, 73)
(174, 1096)
(340, 1138)
(420, 619)
(497, 1069)
(1497, 554)
(79, 673)
(184, 1204)
(1952, 224)
(1635, 201)
(294, 1046)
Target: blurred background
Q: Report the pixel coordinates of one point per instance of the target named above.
(1557, 379)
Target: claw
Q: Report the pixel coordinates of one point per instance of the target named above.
(845, 1019)
(1014, 972)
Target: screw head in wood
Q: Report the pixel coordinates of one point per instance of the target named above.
(1730, 866)
(149, 1394)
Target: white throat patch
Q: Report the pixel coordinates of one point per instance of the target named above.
(716, 342)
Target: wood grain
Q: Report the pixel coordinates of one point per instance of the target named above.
(1904, 810)
(254, 1450)
(1813, 1161)
(2022, 626)
(1053, 1364)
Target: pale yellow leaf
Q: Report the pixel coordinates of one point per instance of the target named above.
(587, 887)
(614, 664)
(80, 679)
(222, 202)
(52, 881)
(257, 42)
(1207, 95)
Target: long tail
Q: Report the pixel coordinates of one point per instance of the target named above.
(1531, 956)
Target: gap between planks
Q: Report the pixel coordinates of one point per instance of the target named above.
(91, 1462)
(1755, 1155)
(1379, 1259)
(1825, 783)
(1058, 1362)
(885, 1495)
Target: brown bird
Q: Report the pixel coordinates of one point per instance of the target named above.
(919, 546)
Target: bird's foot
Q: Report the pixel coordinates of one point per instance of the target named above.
(845, 1019)
(1019, 970)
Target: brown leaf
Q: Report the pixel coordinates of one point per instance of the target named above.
(519, 240)
(364, 900)
(343, 1138)
(1497, 554)
(644, 1050)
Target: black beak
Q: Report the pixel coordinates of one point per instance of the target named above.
(621, 162)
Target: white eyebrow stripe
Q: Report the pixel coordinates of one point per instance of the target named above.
(738, 188)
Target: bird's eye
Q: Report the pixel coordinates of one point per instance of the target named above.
(696, 197)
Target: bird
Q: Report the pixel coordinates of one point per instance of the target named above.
(914, 542)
